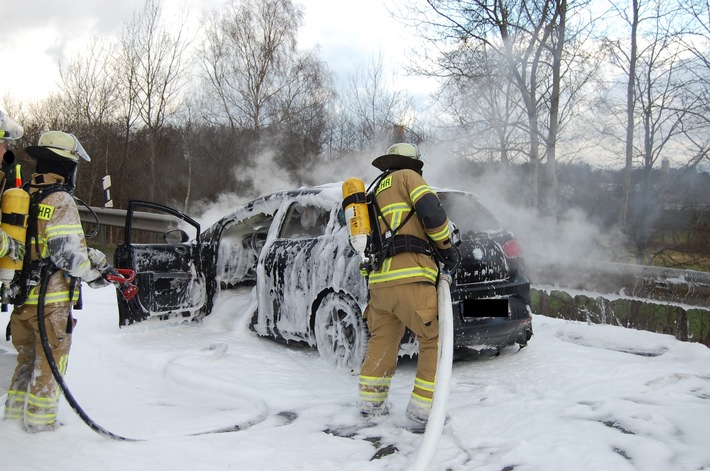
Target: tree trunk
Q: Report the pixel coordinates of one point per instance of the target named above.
(551, 164)
(630, 105)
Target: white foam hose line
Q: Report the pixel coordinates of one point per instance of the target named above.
(195, 378)
(442, 383)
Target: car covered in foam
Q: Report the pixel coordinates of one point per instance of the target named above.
(291, 248)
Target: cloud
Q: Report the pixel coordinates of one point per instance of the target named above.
(39, 34)
(572, 237)
(72, 18)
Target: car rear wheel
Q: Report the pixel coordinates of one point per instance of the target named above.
(340, 332)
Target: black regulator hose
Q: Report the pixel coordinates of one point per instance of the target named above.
(55, 369)
(97, 223)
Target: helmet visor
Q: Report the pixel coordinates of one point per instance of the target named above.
(10, 130)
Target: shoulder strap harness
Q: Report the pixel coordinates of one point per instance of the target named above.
(389, 244)
(29, 276)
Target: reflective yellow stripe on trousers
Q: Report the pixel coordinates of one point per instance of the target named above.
(373, 388)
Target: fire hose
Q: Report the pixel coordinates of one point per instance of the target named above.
(442, 383)
(122, 280)
(55, 369)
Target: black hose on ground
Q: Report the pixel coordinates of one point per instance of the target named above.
(55, 369)
(286, 416)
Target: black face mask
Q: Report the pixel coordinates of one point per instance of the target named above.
(64, 168)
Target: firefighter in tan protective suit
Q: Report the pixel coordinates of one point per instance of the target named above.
(403, 291)
(56, 239)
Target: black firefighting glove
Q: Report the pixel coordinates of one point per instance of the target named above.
(99, 282)
(449, 258)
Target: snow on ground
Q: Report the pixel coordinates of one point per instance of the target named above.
(581, 397)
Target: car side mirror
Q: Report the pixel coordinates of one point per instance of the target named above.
(176, 236)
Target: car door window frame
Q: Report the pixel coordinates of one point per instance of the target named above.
(304, 221)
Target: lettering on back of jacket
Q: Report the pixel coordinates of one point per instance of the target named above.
(384, 184)
(45, 212)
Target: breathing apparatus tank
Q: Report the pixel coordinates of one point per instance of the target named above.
(356, 215)
(15, 210)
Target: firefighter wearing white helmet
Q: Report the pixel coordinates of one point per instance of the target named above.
(58, 250)
(403, 287)
(10, 130)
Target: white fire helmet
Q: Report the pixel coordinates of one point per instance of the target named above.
(10, 130)
(405, 149)
(58, 145)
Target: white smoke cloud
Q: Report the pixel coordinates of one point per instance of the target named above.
(571, 237)
(543, 241)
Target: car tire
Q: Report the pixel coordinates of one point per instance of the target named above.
(340, 331)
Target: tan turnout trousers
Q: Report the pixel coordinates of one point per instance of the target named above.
(389, 311)
(33, 395)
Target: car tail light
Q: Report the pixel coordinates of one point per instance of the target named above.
(512, 249)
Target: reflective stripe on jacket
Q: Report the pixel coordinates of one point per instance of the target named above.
(397, 195)
(60, 238)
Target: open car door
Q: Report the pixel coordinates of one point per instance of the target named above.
(169, 273)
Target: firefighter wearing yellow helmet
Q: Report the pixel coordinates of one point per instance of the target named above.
(59, 253)
(11, 249)
(403, 286)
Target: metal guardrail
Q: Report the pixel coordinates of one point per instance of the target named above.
(680, 287)
(159, 223)
(668, 285)
(663, 300)
(618, 291)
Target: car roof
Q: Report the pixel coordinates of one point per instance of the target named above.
(330, 192)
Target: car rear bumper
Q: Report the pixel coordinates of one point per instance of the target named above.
(483, 325)
(492, 315)
(517, 286)
(491, 333)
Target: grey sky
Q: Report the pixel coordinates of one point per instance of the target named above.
(67, 15)
(40, 33)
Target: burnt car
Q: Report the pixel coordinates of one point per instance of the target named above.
(292, 248)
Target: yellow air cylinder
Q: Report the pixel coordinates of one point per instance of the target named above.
(15, 208)
(356, 215)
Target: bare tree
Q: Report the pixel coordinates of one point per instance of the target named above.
(485, 106)
(88, 86)
(248, 58)
(88, 94)
(153, 69)
(531, 39)
(558, 30)
(660, 104)
(632, 19)
(302, 116)
(272, 97)
(374, 105)
(371, 111)
(697, 42)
